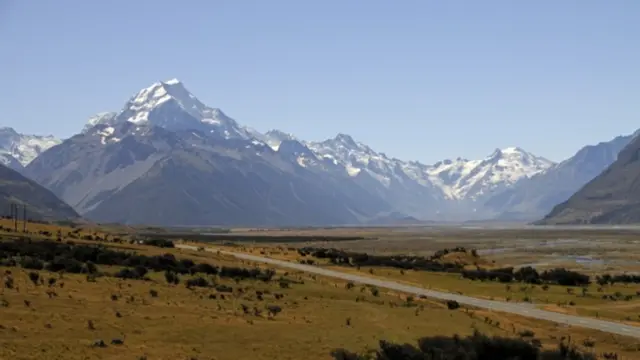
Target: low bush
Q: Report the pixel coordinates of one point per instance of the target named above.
(474, 347)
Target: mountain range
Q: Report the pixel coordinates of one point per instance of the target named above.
(167, 158)
(612, 197)
(18, 150)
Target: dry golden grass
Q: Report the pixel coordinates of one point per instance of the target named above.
(180, 323)
(555, 298)
(50, 231)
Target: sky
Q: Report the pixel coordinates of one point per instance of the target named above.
(415, 79)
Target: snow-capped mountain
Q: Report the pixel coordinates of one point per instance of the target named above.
(459, 179)
(169, 105)
(474, 179)
(535, 196)
(165, 135)
(18, 150)
(274, 138)
(166, 158)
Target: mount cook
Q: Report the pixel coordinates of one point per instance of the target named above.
(166, 158)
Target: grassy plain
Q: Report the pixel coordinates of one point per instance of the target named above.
(591, 251)
(318, 314)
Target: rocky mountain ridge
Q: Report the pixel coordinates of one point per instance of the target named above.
(82, 170)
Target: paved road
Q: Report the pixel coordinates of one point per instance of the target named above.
(527, 310)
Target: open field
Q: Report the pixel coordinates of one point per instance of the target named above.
(592, 249)
(163, 321)
(622, 301)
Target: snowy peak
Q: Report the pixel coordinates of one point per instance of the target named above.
(147, 99)
(346, 140)
(472, 179)
(518, 155)
(22, 148)
(458, 179)
(280, 135)
(357, 158)
(168, 104)
(100, 118)
(274, 138)
(7, 132)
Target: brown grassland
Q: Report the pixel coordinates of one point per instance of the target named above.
(156, 320)
(570, 300)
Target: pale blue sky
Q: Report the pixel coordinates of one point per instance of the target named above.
(417, 79)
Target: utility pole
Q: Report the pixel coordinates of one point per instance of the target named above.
(15, 217)
(24, 218)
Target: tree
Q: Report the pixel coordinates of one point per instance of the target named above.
(171, 277)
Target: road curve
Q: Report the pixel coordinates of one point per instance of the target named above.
(519, 309)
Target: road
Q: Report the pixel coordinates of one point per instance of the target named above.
(527, 310)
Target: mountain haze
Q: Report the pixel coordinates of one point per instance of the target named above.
(612, 197)
(532, 198)
(167, 158)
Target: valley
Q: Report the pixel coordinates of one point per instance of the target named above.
(319, 180)
(317, 314)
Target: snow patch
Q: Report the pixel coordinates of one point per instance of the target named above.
(24, 148)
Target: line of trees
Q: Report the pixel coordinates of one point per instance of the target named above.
(81, 258)
(529, 275)
(620, 278)
(434, 263)
(348, 258)
(474, 347)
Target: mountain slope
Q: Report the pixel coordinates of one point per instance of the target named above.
(613, 197)
(9, 161)
(40, 202)
(440, 191)
(116, 150)
(532, 198)
(22, 148)
(157, 163)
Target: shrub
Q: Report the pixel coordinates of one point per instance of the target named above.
(128, 273)
(163, 243)
(171, 277)
(452, 304)
(274, 310)
(526, 333)
(90, 267)
(474, 347)
(32, 263)
(34, 277)
(197, 282)
(224, 288)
